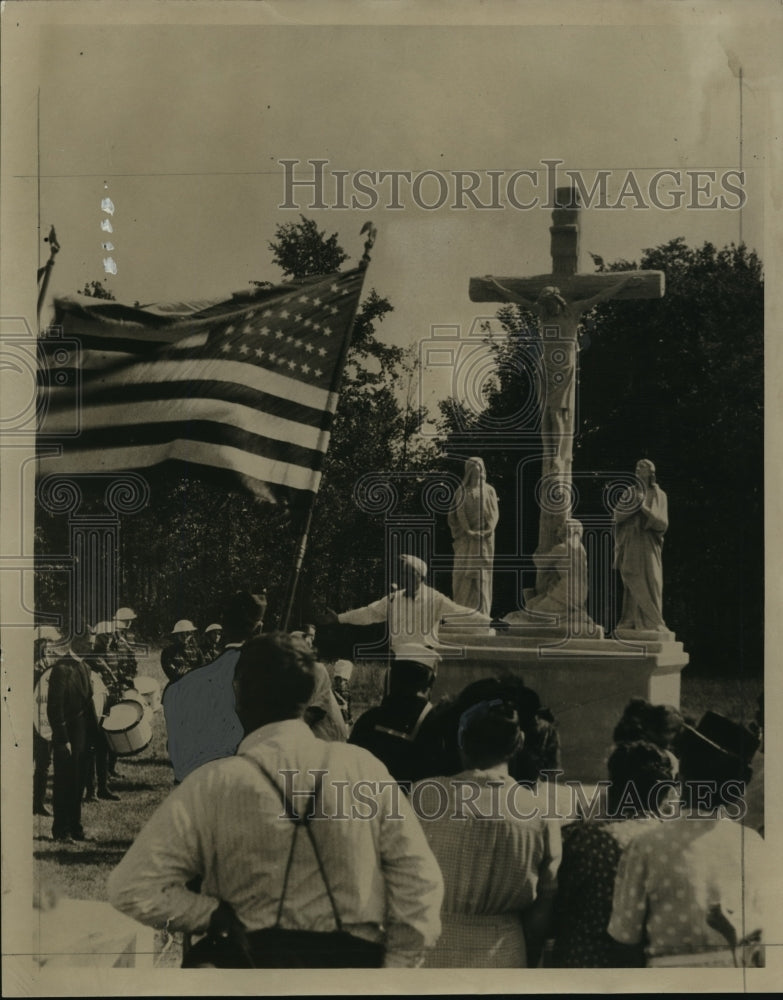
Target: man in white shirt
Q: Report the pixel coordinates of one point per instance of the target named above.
(413, 611)
(225, 824)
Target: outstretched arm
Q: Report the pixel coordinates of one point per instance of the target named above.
(627, 282)
(511, 296)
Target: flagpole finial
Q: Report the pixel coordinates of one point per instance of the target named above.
(372, 232)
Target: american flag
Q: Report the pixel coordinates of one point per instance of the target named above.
(244, 388)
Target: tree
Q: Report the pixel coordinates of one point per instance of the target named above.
(95, 290)
(300, 249)
(679, 381)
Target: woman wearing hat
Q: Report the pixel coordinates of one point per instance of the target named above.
(183, 654)
(691, 888)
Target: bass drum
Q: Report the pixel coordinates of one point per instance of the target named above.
(40, 698)
(127, 728)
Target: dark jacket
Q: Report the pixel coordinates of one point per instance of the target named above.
(70, 706)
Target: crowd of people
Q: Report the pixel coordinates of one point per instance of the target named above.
(415, 835)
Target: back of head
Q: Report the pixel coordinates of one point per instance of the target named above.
(408, 677)
(632, 724)
(243, 616)
(274, 679)
(488, 733)
(635, 769)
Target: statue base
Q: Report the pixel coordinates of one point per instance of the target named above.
(586, 681)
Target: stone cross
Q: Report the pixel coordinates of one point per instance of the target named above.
(559, 299)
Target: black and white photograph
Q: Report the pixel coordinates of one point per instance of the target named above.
(390, 575)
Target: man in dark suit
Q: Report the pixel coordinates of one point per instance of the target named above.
(74, 728)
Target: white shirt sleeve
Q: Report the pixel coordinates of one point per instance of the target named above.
(368, 615)
(149, 882)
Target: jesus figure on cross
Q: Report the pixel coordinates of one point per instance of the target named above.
(559, 299)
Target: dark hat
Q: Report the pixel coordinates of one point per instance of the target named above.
(725, 738)
(244, 610)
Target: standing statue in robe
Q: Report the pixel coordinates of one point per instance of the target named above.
(641, 521)
(472, 520)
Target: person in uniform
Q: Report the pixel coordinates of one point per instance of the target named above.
(183, 654)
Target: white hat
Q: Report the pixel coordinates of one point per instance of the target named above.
(48, 632)
(124, 617)
(103, 628)
(418, 653)
(416, 564)
(183, 625)
(214, 628)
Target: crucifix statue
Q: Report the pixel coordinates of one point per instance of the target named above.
(559, 299)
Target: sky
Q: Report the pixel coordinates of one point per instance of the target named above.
(184, 128)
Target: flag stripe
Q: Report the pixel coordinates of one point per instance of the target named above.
(206, 431)
(231, 373)
(122, 458)
(61, 401)
(219, 410)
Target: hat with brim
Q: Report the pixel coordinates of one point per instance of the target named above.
(48, 633)
(722, 736)
(183, 625)
(417, 653)
(214, 628)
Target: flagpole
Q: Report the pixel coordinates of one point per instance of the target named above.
(54, 247)
(301, 545)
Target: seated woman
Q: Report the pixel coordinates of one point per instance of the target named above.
(592, 852)
(499, 857)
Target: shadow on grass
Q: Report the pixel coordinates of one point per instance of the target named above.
(78, 855)
(144, 761)
(122, 784)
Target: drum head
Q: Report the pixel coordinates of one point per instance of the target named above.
(123, 716)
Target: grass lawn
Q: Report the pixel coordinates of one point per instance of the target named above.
(80, 870)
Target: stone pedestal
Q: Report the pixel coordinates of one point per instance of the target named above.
(585, 682)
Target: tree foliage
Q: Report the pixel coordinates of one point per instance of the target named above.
(96, 290)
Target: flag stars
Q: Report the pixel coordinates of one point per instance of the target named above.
(284, 314)
(292, 365)
(251, 314)
(309, 348)
(303, 298)
(334, 288)
(297, 343)
(259, 352)
(316, 302)
(248, 328)
(272, 357)
(229, 330)
(243, 349)
(225, 348)
(308, 322)
(298, 318)
(318, 373)
(305, 369)
(266, 313)
(322, 351)
(327, 331)
(333, 309)
(278, 334)
(264, 331)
